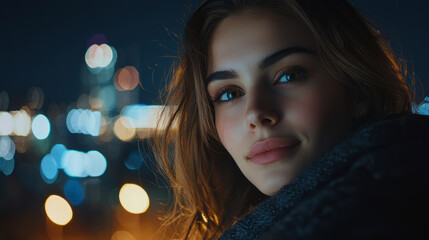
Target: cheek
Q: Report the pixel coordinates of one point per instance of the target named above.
(227, 127)
(308, 110)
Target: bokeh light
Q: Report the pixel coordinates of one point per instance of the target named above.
(22, 123)
(80, 164)
(73, 190)
(96, 164)
(58, 210)
(48, 169)
(57, 153)
(41, 127)
(7, 148)
(133, 198)
(99, 56)
(134, 161)
(126, 78)
(7, 166)
(84, 121)
(423, 108)
(122, 235)
(146, 118)
(6, 123)
(124, 129)
(73, 163)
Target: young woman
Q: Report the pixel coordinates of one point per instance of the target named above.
(292, 119)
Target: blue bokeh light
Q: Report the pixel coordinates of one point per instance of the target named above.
(57, 153)
(7, 148)
(7, 166)
(73, 163)
(84, 121)
(73, 192)
(95, 164)
(49, 169)
(134, 161)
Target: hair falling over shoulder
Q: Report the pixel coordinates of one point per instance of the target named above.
(210, 193)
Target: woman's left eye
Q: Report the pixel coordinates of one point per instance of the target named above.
(291, 75)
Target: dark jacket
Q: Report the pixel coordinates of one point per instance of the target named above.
(373, 185)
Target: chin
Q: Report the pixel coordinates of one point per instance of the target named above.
(273, 185)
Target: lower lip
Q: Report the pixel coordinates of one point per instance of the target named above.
(271, 156)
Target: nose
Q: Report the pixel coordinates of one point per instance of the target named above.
(263, 109)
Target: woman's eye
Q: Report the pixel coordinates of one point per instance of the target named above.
(292, 75)
(226, 95)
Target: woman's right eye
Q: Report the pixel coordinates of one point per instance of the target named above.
(226, 95)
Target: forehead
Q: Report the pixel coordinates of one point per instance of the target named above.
(253, 34)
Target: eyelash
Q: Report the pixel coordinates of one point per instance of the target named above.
(222, 91)
(301, 71)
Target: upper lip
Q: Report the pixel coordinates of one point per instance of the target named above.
(271, 144)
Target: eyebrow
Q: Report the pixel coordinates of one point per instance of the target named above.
(268, 61)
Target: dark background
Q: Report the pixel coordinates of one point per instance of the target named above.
(43, 44)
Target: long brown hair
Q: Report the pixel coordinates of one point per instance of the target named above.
(210, 192)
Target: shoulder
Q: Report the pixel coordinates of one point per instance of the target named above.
(381, 194)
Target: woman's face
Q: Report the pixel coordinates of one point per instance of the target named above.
(277, 108)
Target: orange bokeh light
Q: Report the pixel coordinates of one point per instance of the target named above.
(126, 78)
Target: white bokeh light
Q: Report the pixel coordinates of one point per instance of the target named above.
(99, 56)
(22, 123)
(6, 123)
(41, 127)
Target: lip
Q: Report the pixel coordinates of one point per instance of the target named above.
(271, 150)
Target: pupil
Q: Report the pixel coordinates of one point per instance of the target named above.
(231, 95)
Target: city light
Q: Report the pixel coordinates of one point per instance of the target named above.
(96, 164)
(126, 78)
(73, 163)
(48, 169)
(6, 123)
(7, 166)
(124, 129)
(99, 56)
(84, 121)
(22, 123)
(73, 190)
(57, 153)
(58, 210)
(146, 118)
(80, 164)
(134, 161)
(133, 198)
(41, 127)
(423, 108)
(7, 148)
